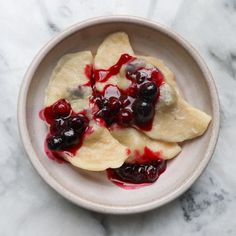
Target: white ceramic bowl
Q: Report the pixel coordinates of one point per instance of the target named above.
(92, 190)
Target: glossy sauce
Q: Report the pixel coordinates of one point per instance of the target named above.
(104, 75)
(48, 115)
(126, 176)
(114, 106)
(125, 98)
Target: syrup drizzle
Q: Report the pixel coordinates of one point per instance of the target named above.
(129, 95)
(126, 176)
(48, 115)
(103, 75)
(126, 98)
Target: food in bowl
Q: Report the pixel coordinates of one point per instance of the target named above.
(119, 112)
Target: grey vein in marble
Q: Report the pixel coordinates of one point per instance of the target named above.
(30, 207)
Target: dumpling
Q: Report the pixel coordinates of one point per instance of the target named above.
(179, 122)
(99, 150)
(115, 45)
(175, 120)
(137, 142)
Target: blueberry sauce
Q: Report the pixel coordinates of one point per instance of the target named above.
(88, 71)
(145, 170)
(104, 75)
(131, 107)
(66, 129)
(134, 106)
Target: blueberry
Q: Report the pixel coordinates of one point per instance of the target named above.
(148, 91)
(61, 108)
(103, 113)
(98, 100)
(114, 104)
(55, 143)
(141, 76)
(125, 101)
(125, 117)
(105, 101)
(70, 137)
(143, 111)
(141, 173)
(58, 126)
(78, 123)
(106, 114)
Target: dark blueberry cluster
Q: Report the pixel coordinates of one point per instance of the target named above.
(114, 109)
(136, 105)
(66, 128)
(140, 173)
(144, 104)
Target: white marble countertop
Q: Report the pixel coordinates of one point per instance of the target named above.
(28, 206)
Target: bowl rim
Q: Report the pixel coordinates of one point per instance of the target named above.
(25, 137)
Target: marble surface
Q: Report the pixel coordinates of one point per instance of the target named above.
(28, 206)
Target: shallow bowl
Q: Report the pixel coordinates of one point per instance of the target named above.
(92, 190)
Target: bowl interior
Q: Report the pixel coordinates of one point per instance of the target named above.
(91, 189)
